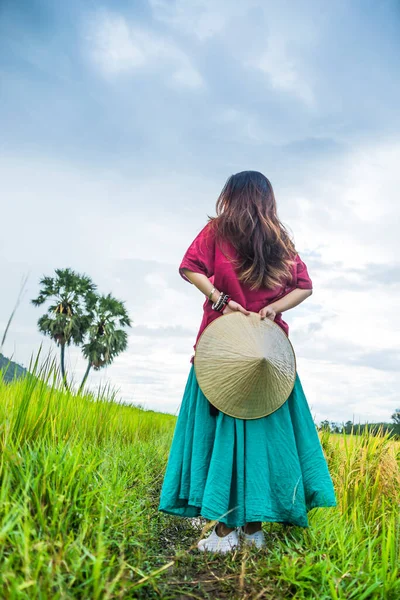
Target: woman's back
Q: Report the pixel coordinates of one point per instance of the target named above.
(216, 259)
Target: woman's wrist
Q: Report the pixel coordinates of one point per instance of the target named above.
(222, 302)
(214, 296)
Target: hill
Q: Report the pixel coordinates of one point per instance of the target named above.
(11, 370)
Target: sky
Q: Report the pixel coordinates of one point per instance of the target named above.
(120, 122)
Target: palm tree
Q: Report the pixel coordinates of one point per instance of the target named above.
(67, 319)
(106, 337)
(396, 416)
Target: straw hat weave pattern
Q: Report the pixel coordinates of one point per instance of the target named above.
(245, 365)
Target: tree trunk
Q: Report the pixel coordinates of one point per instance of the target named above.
(62, 362)
(85, 377)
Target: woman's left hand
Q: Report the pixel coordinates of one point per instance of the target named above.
(233, 306)
(267, 312)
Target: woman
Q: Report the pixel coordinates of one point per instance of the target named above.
(239, 472)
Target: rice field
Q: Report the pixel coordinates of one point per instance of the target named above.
(80, 479)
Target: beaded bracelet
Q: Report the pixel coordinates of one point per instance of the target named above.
(226, 302)
(218, 304)
(222, 301)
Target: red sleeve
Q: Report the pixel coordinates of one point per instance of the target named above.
(303, 279)
(199, 257)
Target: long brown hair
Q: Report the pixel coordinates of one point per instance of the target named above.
(246, 216)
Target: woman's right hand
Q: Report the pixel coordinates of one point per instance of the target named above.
(233, 306)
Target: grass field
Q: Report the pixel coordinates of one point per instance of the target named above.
(80, 481)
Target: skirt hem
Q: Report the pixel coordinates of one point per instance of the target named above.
(193, 511)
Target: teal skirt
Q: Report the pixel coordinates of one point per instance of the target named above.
(237, 471)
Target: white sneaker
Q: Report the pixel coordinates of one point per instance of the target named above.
(215, 543)
(257, 539)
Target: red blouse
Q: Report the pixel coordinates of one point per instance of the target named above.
(205, 256)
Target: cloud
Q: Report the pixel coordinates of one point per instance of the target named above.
(120, 47)
(342, 351)
(267, 42)
(284, 71)
(239, 125)
(351, 210)
(202, 18)
(343, 278)
(383, 274)
(339, 392)
(164, 332)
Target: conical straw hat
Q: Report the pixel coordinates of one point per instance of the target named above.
(245, 365)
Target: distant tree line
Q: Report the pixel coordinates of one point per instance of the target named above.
(357, 428)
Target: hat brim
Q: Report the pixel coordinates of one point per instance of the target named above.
(245, 365)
